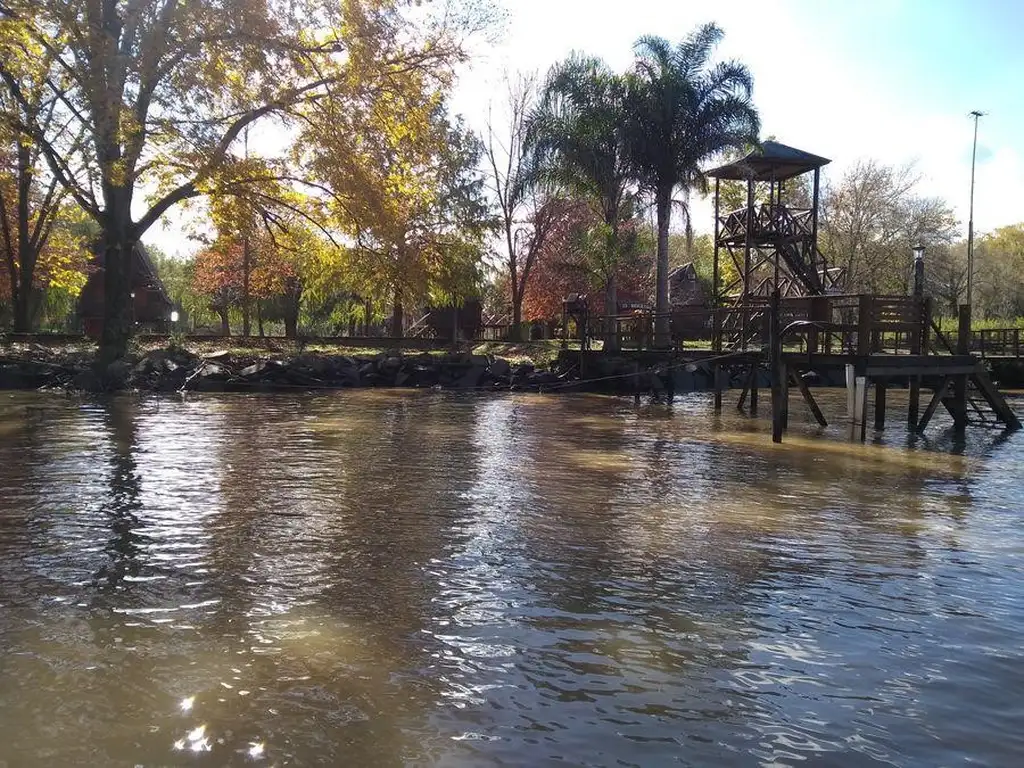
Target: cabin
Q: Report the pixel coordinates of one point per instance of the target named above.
(687, 301)
(468, 317)
(151, 306)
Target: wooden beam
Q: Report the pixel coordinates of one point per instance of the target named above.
(933, 404)
(801, 384)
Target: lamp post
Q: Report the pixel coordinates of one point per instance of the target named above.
(918, 270)
(970, 218)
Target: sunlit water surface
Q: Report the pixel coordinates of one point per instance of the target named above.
(405, 578)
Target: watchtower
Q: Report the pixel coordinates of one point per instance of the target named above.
(771, 244)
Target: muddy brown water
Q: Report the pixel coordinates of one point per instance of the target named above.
(380, 578)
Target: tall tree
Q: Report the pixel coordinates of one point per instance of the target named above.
(871, 220)
(163, 88)
(402, 179)
(683, 111)
(1000, 263)
(578, 136)
(36, 232)
(527, 216)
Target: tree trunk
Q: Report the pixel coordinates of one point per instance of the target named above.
(662, 336)
(293, 297)
(516, 331)
(611, 305)
(225, 323)
(23, 311)
(246, 324)
(259, 317)
(22, 297)
(118, 244)
(397, 316)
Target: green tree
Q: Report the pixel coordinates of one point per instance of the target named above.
(405, 188)
(999, 264)
(578, 136)
(682, 111)
(871, 220)
(162, 89)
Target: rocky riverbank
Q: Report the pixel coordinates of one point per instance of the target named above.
(177, 369)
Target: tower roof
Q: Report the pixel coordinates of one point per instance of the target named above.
(771, 161)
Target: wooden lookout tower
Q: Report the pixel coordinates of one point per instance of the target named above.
(769, 243)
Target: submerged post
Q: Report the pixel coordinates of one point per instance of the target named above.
(963, 347)
(917, 339)
(777, 368)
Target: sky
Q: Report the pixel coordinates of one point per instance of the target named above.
(892, 80)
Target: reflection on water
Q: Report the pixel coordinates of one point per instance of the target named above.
(404, 578)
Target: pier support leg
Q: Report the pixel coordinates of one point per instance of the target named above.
(753, 388)
(716, 373)
(879, 405)
(860, 404)
(778, 369)
(914, 406)
(851, 392)
(937, 396)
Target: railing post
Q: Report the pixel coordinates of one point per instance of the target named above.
(864, 325)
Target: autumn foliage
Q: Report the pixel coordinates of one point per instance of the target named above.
(565, 265)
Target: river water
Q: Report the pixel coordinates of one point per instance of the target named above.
(388, 578)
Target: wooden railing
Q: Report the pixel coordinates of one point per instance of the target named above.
(997, 342)
(834, 324)
(769, 220)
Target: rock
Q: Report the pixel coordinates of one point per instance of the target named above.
(87, 381)
(253, 370)
(500, 368)
(220, 354)
(212, 371)
(472, 378)
(117, 373)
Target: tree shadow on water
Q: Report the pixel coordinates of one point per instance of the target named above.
(122, 504)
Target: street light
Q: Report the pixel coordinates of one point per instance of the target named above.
(918, 270)
(970, 219)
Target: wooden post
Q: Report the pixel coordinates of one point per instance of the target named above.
(784, 383)
(717, 375)
(864, 325)
(918, 346)
(809, 399)
(777, 368)
(963, 347)
(879, 405)
(861, 405)
(753, 387)
(745, 318)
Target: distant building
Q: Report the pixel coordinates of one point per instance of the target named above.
(150, 303)
(684, 288)
(687, 301)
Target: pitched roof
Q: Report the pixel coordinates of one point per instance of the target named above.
(772, 161)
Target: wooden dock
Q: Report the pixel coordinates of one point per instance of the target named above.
(873, 342)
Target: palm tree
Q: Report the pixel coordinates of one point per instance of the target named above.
(682, 111)
(577, 136)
